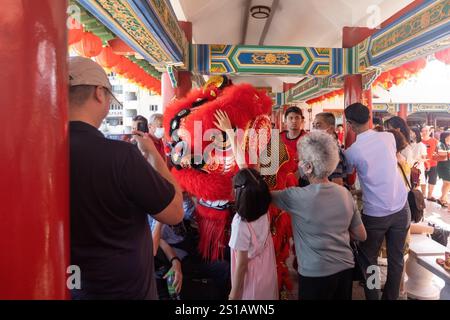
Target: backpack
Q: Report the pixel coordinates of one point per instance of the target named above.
(415, 199)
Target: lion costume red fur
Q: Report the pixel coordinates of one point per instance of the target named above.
(210, 182)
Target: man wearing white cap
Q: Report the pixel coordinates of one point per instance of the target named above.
(112, 189)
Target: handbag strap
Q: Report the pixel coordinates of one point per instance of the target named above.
(404, 175)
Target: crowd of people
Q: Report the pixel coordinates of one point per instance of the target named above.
(132, 226)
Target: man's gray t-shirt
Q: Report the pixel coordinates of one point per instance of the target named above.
(322, 215)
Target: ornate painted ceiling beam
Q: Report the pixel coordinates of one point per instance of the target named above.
(150, 27)
(256, 60)
(412, 107)
(422, 31)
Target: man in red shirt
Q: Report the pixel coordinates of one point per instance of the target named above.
(340, 134)
(430, 164)
(294, 123)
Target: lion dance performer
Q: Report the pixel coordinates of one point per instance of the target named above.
(204, 166)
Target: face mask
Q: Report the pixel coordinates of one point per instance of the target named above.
(159, 133)
(303, 170)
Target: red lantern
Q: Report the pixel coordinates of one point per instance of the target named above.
(119, 68)
(120, 47)
(132, 71)
(397, 72)
(443, 56)
(385, 77)
(74, 36)
(387, 84)
(398, 81)
(90, 45)
(415, 66)
(107, 58)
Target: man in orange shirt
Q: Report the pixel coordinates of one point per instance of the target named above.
(430, 164)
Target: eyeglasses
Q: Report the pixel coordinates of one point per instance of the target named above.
(113, 96)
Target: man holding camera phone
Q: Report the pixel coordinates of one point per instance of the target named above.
(112, 189)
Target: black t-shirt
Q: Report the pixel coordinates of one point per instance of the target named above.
(112, 189)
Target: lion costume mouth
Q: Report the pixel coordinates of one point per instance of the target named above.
(217, 205)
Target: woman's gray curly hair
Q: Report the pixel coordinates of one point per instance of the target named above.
(321, 150)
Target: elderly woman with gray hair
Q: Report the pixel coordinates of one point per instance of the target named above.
(324, 220)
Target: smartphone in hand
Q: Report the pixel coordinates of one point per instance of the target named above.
(142, 127)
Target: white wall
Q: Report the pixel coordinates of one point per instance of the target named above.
(141, 106)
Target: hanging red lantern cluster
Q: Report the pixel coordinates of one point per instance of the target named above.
(133, 72)
(107, 58)
(89, 45)
(120, 47)
(329, 95)
(398, 75)
(443, 56)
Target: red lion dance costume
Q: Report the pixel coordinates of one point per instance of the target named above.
(209, 176)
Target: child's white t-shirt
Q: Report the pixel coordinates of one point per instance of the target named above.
(240, 238)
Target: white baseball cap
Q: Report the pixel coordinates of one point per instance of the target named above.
(84, 71)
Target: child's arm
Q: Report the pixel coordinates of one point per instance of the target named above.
(237, 279)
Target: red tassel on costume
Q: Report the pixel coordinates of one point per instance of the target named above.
(281, 233)
(214, 234)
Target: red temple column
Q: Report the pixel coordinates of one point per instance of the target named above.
(287, 86)
(34, 183)
(184, 78)
(403, 111)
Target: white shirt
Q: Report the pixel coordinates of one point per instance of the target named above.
(373, 155)
(419, 150)
(408, 154)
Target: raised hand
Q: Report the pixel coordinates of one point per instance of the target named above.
(223, 121)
